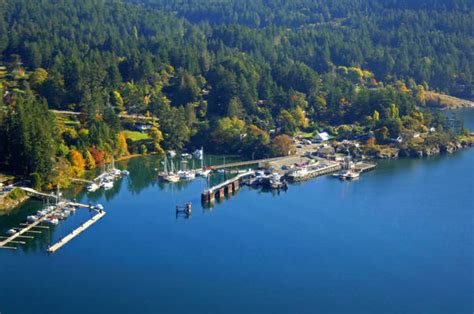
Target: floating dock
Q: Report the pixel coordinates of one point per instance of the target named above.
(27, 229)
(314, 172)
(364, 167)
(76, 232)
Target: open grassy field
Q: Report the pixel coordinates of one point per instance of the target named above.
(441, 100)
(135, 135)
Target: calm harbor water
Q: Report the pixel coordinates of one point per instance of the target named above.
(399, 240)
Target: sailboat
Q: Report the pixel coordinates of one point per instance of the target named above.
(187, 174)
(169, 176)
(204, 172)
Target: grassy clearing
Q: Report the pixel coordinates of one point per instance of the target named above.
(441, 100)
(135, 135)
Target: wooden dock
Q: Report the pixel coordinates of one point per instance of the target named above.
(364, 167)
(221, 189)
(78, 180)
(37, 193)
(76, 232)
(314, 172)
(19, 234)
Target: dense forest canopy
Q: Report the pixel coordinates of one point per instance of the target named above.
(222, 73)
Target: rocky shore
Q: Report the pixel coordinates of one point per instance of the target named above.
(392, 152)
(10, 201)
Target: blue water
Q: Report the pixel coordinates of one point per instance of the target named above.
(399, 240)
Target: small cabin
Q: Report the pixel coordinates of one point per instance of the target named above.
(321, 137)
(143, 127)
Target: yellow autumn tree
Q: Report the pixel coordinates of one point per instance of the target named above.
(156, 137)
(122, 144)
(300, 117)
(90, 162)
(77, 162)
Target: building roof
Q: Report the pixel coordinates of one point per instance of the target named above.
(323, 136)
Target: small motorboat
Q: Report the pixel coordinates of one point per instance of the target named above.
(31, 218)
(11, 232)
(187, 175)
(97, 206)
(171, 177)
(92, 187)
(51, 221)
(125, 172)
(107, 185)
(203, 172)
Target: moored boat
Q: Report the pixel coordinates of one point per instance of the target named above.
(31, 218)
(92, 187)
(51, 221)
(11, 232)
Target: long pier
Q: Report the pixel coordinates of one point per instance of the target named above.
(37, 193)
(221, 189)
(78, 180)
(76, 232)
(363, 166)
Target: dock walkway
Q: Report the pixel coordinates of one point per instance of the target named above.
(76, 232)
(19, 234)
(37, 193)
(230, 181)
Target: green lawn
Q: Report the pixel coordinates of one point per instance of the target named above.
(135, 135)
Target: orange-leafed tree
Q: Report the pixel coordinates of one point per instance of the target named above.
(77, 162)
(282, 145)
(97, 155)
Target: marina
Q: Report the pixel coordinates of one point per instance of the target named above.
(49, 217)
(324, 218)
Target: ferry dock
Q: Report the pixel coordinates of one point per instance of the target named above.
(227, 187)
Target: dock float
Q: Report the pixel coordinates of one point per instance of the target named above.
(76, 232)
(20, 233)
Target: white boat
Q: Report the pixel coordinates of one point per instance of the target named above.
(171, 177)
(299, 173)
(11, 232)
(187, 175)
(350, 175)
(107, 185)
(171, 153)
(116, 172)
(92, 187)
(31, 218)
(125, 172)
(51, 221)
(203, 172)
(98, 206)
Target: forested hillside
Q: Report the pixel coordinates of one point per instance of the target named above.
(226, 74)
